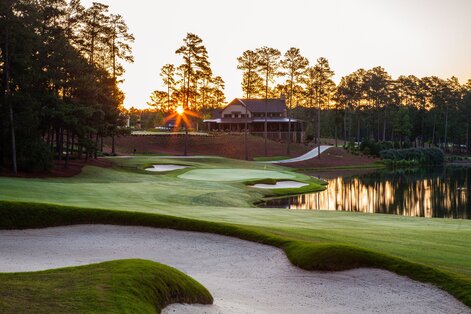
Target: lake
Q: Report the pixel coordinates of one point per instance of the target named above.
(433, 192)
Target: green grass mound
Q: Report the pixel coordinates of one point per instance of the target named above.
(306, 254)
(313, 185)
(271, 158)
(121, 286)
(233, 174)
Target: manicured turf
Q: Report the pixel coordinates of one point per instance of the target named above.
(121, 286)
(441, 244)
(270, 158)
(233, 174)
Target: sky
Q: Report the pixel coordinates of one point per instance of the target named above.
(420, 37)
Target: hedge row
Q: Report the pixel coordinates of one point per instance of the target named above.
(424, 156)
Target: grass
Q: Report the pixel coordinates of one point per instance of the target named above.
(121, 286)
(233, 174)
(270, 158)
(313, 185)
(310, 255)
(376, 165)
(442, 246)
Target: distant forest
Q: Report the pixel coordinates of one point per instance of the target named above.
(61, 63)
(365, 105)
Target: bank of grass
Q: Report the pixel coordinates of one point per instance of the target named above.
(120, 286)
(310, 255)
(375, 165)
(270, 158)
(313, 185)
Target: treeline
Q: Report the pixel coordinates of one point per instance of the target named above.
(60, 66)
(366, 104)
(191, 84)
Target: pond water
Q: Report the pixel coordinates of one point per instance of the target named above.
(437, 192)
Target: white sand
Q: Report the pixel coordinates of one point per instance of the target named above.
(162, 168)
(243, 277)
(280, 185)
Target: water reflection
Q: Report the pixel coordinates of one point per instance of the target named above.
(438, 192)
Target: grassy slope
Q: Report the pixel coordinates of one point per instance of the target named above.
(439, 243)
(124, 286)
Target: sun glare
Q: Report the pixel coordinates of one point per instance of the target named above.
(181, 116)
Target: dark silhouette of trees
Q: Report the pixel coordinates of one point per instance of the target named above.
(294, 64)
(60, 67)
(267, 65)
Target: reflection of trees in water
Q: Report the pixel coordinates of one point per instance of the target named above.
(437, 192)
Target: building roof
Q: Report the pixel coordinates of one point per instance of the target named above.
(262, 105)
(261, 120)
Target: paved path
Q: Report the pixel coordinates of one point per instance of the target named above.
(242, 276)
(309, 155)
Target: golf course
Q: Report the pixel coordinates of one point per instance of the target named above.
(215, 195)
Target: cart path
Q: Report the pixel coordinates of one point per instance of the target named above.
(313, 153)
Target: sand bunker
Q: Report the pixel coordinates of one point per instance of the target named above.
(161, 168)
(233, 174)
(280, 185)
(242, 276)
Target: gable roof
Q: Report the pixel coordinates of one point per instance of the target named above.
(260, 105)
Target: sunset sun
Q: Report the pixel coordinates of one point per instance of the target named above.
(180, 111)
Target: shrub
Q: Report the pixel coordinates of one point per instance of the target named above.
(422, 156)
(374, 148)
(34, 155)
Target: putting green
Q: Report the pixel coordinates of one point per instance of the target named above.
(233, 174)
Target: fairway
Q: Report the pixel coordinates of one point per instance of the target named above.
(233, 174)
(441, 243)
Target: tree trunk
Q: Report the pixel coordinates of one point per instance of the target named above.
(446, 130)
(97, 138)
(345, 127)
(72, 144)
(358, 130)
(245, 134)
(468, 138)
(384, 129)
(265, 128)
(335, 132)
(423, 129)
(185, 151)
(319, 129)
(58, 152)
(6, 61)
(113, 148)
(66, 163)
(288, 152)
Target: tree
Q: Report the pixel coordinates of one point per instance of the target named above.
(168, 76)
(120, 44)
(465, 110)
(322, 88)
(294, 64)
(195, 57)
(267, 64)
(94, 39)
(401, 123)
(378, 86)
(61, 98)
(159, 100)
(248, 63)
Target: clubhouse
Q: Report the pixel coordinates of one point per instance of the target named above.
(254, 113)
